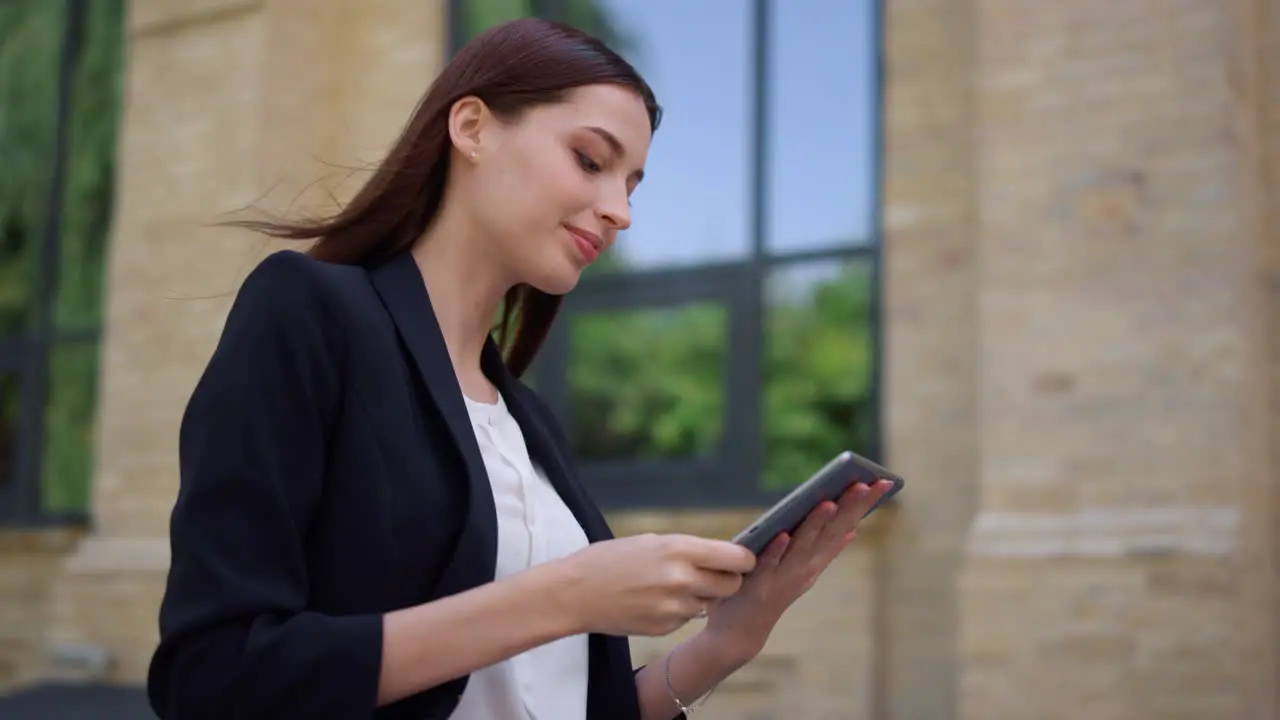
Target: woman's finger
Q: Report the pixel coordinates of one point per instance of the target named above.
(853, 505)
(716, 584)
(773, 553)
(867, 501)
(810, 530)
(878, 491)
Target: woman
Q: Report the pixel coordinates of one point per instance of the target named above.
(376, 519)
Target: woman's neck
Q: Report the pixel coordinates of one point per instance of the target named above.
(466, 286)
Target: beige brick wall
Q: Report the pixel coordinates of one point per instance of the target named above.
(931, 374)
(29, 563)
(1117, 564)
(1267, 19)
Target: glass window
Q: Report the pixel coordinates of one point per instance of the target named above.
(818, 360)
(88, 197)
(64, 341)
(822, 99)
(647, 383)
(472, 17)
(695, 204)
(67, 466)
(30, 44)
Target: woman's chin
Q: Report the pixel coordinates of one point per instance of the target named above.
(560, 282)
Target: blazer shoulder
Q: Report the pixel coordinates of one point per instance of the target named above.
(292, 287)
(289, 273)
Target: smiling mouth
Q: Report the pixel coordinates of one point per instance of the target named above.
(588, 245)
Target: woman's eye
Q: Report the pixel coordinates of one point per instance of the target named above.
(587, 163)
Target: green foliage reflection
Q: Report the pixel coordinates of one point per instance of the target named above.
(818, 361)
(650, 384)
(647, 384)
(31, 36)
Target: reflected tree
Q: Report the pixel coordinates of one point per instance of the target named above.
(31, 38)
(649, 384)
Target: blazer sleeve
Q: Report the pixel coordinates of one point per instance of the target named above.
(236, 638)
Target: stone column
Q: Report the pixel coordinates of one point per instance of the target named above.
(1264, 77)
(931, 347)
(1120, 565)
(227, 101)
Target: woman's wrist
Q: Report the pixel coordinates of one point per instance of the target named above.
(727, 648)
(735, 639)
(688, 672)
(558, 583)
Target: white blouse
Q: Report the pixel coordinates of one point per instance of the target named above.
(534, 526)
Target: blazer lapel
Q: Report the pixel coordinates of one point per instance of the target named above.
(542, 448)
(404, 293)
(399, 283)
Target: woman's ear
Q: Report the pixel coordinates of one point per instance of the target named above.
(467, 120)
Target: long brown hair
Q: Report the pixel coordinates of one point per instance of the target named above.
(511, 67)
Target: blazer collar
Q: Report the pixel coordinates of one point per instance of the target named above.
(399, 283)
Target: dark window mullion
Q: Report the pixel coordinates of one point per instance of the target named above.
(831, 252)
(744, 382)
(638, 290)
(11, 369)
(877, 245)
(24, 500)
(760, 128)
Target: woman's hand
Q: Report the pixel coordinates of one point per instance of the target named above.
(786, 570)
(649, 584)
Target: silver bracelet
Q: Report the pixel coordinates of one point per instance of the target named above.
(666, 673)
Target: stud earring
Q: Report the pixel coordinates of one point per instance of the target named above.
(474, 154)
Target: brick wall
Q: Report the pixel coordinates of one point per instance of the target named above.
(931, 374)
(29, 563)
(1266, 18)
(1116, 567)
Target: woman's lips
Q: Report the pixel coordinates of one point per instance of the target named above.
(587, 243)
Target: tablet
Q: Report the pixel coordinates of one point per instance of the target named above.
(829, 483)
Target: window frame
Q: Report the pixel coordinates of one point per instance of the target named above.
(729, 478)
(28, 353)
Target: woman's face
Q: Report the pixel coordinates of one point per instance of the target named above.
(550, 191)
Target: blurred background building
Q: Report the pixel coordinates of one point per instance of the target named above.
(1023, 252)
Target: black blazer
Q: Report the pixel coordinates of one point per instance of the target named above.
(330, 474)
